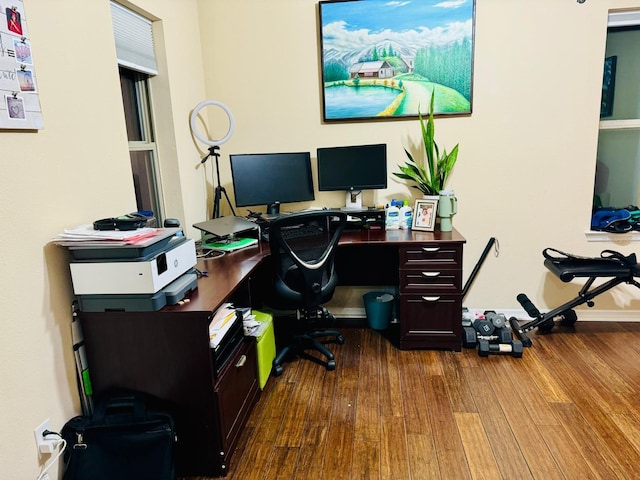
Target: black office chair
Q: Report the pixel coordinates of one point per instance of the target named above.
(305, 279)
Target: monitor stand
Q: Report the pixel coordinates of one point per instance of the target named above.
(353, 201)
(273, 208)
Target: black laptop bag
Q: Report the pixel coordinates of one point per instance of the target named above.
(124, 439)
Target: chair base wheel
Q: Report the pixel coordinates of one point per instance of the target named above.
(277, 370)
(340, 339)
(331, 365)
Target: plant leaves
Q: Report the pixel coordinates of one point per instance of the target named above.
(430, 175)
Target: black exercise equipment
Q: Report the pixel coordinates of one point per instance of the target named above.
(498, 320)
(483, 326)
(476, 269)
(466, 316)
(470, 336)
(513, 348)
(610, 264)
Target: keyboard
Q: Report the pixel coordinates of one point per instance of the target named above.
(297, 231)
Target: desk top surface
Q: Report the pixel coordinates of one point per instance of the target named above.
(226, 273)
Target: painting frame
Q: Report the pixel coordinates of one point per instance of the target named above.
(608, 86)
(381, 60)
(424, 214)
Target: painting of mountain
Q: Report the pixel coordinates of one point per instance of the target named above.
(383, 58)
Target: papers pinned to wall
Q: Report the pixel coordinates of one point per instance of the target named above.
(19, 101)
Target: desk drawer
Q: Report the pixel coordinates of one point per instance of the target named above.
(431, 321)
(441, 255)
(430, 279)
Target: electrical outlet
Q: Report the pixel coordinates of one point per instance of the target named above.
(45, 445)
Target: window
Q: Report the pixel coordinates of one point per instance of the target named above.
(133, 37)
(617, 182)
(142, 147)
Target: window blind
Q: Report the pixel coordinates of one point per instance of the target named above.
(624, 19)
(134, 40)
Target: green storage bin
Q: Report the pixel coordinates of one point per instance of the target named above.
(265, 347)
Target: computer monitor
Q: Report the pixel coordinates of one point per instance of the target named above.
(271, 179)
(352, 168)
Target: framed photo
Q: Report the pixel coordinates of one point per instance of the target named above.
(382, 60)
(608, 86)
(424, 215)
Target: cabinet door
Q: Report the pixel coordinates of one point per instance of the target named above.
(431, 321)
(235, 394)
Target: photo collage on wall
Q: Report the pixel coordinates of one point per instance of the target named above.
(20, 104)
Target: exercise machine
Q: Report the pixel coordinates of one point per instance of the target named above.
(613, 265)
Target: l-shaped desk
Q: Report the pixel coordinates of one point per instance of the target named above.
(167, 354)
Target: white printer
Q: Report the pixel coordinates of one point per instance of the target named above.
(134, 277)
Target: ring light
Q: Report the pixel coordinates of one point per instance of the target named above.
(226, 109)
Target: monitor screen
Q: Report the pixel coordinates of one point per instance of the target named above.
(271, 179)
(352, 168)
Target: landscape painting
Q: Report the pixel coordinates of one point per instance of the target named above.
(383, 58)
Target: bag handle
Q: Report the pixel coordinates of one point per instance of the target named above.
(125, 403)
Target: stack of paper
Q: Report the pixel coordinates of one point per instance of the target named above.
(221, 323)
(85, 235)
(250, 324)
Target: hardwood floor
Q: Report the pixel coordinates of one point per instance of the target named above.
(568, 409)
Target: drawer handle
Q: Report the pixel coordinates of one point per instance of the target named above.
(430, 299)
(241, 361)
(430, 249)
(430, 274)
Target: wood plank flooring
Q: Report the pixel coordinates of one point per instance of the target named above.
(568, 409)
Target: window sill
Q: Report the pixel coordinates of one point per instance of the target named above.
(595, 236)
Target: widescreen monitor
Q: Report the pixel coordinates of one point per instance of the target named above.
(271, 179)
(352, 168)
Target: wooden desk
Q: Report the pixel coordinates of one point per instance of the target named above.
(167, 354)
(427, 268)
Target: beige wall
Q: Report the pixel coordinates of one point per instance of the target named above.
(525, 172)
(74, 171)
(527, 153)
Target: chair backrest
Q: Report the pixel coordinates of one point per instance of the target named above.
(304, 266)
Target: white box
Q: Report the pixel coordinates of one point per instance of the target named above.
(90, 278)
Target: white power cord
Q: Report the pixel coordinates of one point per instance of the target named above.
(62, 443)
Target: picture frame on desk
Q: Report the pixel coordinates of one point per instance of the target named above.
(424, 215)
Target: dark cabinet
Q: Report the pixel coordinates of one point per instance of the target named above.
(431, 295)
(166, 354)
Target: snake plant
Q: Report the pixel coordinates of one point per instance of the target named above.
(430, 176)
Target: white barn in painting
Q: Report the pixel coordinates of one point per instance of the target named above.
(378, 69)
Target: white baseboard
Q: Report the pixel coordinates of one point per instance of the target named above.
(584, 315)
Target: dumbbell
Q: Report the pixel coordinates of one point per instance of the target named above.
(513, 348)
(566, 319)
(470, 337)
(497, 319)
(483, 326)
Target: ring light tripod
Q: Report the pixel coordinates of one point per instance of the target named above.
(214, 146)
